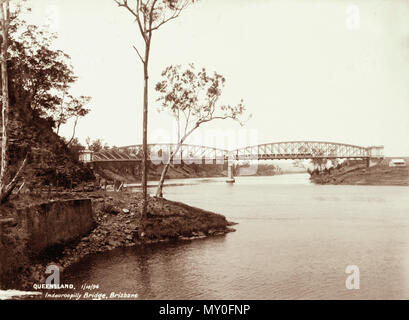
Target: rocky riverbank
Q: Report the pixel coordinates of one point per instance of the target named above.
(117, 224)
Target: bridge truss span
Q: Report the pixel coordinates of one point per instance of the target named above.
(188, 153)
(302, 150)
(160, 153)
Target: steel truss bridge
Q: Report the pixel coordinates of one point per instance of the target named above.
(160, 153)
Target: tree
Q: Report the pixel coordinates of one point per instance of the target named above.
(192, 98)
(318, 160)
(75, 107)
(5, 23)
(150, 15)
(34, 76)
(39, 75)
(5, 187)
(96, 145)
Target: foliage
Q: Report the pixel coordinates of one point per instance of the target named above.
(192, 97)
(74, 107)
(96, 145)
(38, 74)
(40, 77)
(150, 15)
(318, 160)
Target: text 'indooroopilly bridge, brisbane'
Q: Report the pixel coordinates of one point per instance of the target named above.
(160, 153)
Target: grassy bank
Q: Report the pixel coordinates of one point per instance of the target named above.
(360, 175)
(117, 225)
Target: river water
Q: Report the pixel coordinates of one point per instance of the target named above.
(294, 240)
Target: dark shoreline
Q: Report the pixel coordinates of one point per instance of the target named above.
(116, 225)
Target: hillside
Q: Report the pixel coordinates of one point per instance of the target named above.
(49, 161)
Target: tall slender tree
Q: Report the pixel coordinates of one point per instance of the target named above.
(6, 187)
(5, 24)
(150, 15)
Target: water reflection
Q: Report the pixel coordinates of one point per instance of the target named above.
(294, 241)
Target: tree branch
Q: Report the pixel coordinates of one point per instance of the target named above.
(174, 16)
(140, 57)
(135, 13)
(199, 122)
(73, 133)
(10, 187)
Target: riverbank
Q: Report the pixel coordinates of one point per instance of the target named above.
(117, 223)
(361, 175)
(130, 173)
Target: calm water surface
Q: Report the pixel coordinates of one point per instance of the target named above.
(294, 240)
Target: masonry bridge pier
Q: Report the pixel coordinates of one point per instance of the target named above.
(189, 154)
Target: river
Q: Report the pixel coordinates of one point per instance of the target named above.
(294, 240)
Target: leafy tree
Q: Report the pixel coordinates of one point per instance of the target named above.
(150, 15)
(75, 108)
(34, 79)
(40, 77)
(96, 145)
(192, 97)
(318, 160)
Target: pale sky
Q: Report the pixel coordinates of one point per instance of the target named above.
(302, 70)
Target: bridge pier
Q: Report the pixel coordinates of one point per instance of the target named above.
(230, 177)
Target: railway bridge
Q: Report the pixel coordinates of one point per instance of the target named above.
(188, 153)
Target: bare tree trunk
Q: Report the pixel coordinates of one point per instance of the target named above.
(61, 109)
(159, 190)
(73, 131)
(5, 96)
(145, 136)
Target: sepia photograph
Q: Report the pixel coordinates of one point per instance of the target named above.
(225, 151)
